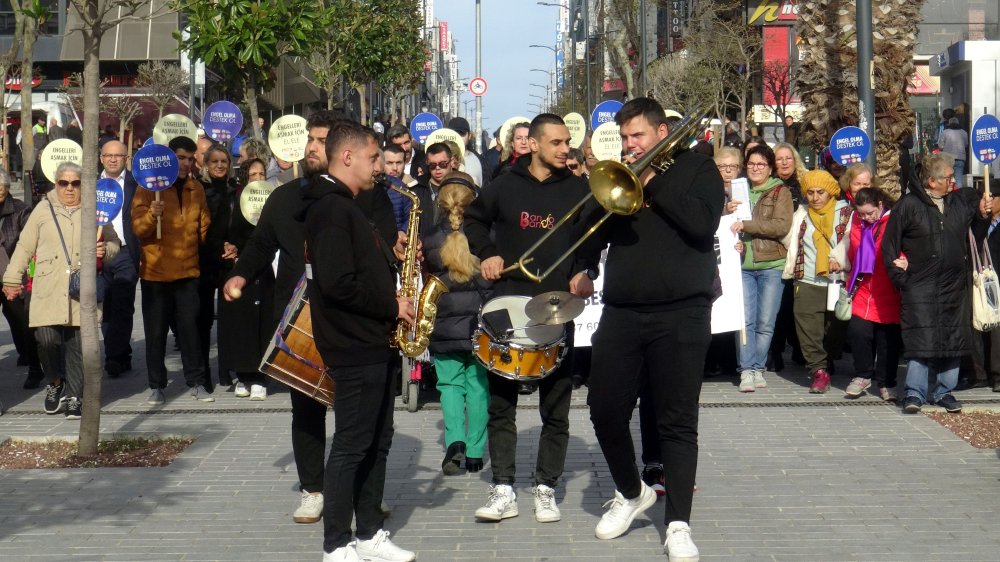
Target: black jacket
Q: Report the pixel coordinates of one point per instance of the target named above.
(936, 311)
(458, 309)
(13, 216)
(223, 206)
(277, 229)
(663, 257)
(513, 212)
(128, 236)
(352, 293)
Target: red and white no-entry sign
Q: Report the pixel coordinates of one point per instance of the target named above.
(477, 86)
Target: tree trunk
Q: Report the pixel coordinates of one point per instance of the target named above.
(29, 34)
(250, 98)
(91, 423)
(362, 103)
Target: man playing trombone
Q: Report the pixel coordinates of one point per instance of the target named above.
(518, 208)
(657, 309)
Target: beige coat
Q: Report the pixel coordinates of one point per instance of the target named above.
(50, 301)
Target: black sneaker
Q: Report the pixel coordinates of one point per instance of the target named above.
(911, 405)
(33, 381)
(949, 403)
(652, 475)
(54, 399)
(74, 409)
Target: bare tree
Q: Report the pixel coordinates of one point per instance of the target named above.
(777, 87)
(29, 17)
(125, 109)
(161, 82)
(7, 66)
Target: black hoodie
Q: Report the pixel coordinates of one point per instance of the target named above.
(513, 212)
(353, 288)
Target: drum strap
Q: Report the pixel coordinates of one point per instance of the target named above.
(391, 259)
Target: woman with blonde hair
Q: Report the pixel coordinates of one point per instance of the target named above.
(856, 177)
(514, 147)
(461, 378)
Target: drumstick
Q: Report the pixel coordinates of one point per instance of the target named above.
(159, 220)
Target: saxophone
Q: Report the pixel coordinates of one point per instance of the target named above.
(413, 340)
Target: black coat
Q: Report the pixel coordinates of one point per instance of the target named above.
(936, 312)
(458, 309)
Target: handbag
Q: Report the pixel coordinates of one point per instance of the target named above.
(985, 288)
(843, 310)
(74, 274)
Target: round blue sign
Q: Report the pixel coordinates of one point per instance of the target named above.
(422, 125)
(110, 198)
(223, 121)
(986, 138)
(148, 142)
(850, 145)
(604, 113)
(155, 167)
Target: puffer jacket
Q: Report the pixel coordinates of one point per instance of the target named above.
(50, 301)
(876, 298)
(174, 255)
(14, 214)
(772, 217)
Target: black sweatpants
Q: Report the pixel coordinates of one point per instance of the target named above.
(875, 348)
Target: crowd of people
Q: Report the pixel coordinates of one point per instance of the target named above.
(201, 264)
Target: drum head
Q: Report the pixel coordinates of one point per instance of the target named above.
(513, 305)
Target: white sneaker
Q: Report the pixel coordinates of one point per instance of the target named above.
(343, 554)
(747, 381)
(502, 504)
(310, 508)
(380, 549)
(758, 379)
(546, 510)
(241, 390)
(258, 392)
(621, 512)
(200, 393)
(679, 547)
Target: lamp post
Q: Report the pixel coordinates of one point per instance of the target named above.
(479, 72)
(572, 54)
(547, 94)
(555, 53)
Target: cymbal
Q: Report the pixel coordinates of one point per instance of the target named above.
(554, 307)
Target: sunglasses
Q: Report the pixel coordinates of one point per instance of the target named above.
(67, 183)
(572, 166)
(435, 165)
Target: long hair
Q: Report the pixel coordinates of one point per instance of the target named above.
(508, 145)
(455, 253)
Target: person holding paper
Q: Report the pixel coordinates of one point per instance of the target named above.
(764, 252)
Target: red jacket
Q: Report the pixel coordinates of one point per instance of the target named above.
(877, 299)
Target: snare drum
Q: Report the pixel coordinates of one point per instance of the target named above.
(526, 353)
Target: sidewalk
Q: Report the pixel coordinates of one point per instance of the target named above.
(783, 475)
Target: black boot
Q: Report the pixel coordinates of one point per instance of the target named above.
(453, 458)
(473, 464)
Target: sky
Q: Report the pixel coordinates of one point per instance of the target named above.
(508, 27)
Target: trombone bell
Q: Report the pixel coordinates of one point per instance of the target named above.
(616, 187)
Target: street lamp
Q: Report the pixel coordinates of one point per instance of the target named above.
(548, 95)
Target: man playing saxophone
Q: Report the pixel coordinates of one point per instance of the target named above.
(518, 208)
(354, 308)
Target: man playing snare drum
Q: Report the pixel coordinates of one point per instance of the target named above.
(519, 207)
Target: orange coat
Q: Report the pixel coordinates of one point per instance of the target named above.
(185, 223)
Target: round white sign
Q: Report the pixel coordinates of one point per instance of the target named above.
(607, 142)
(172, 126)
(288, 137)
(57, 152)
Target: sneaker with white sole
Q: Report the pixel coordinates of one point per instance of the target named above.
(201, 394)
(747, 383)
(241, 390)
(258, 392)
(502, 504)
(546, 510)
(55, 401)
(310, 508)
(346, 553)
(857, 387)
(380, 549)
(679, 547)
(156, 397)
(74, 408)
(758, 379)
(621, 512)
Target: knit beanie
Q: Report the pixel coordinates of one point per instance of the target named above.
(821, 179)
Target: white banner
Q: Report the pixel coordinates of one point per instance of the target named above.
(727, 310)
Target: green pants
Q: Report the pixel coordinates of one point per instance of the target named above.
(820, 333)
(462, 382)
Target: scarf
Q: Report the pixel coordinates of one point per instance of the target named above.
(822, 221)
(864, 261)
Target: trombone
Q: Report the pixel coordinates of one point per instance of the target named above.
(617, 188)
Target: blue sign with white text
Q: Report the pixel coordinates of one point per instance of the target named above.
(223, 121)
(604, 113)
(148, 142)
(850, 145)
(155, 167)
(986, 138)
(422, 125)
(110, 198)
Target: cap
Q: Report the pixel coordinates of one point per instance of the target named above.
(459, 124)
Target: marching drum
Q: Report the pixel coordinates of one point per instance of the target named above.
(292, 357)
(510, 344)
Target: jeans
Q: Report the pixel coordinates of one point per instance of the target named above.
(959, 173)
(918, 373)
(673, 343)
(308, 440)
(355, 471)
(119, 307)
(61, 356)
(875, 348)
(761, 301)
(464, 388)
(163, 301)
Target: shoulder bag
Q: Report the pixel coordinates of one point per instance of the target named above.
(985, 288)
(74, 274)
